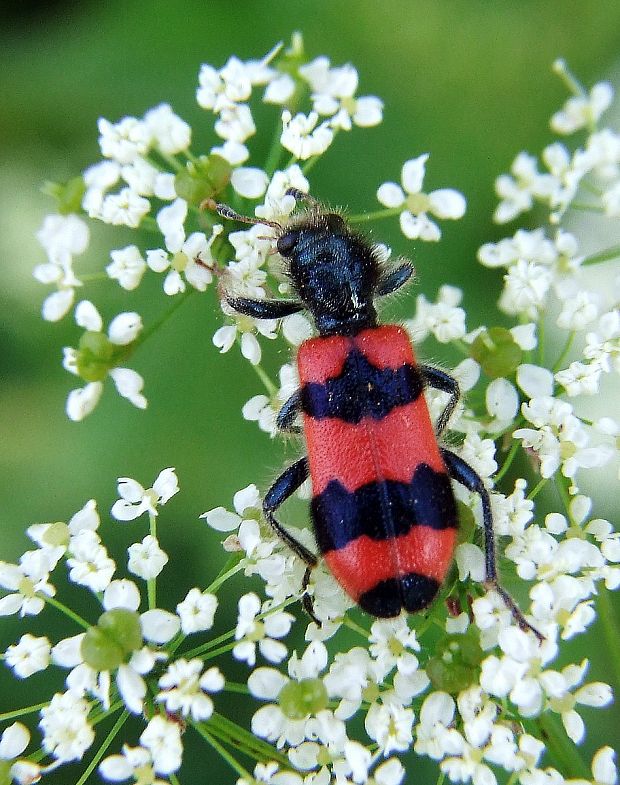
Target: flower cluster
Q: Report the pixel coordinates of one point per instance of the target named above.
(464, 686)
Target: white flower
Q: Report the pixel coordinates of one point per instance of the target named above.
(89, 564)
(526, 285)
(333, 91)
(162, 738)
(184, 687)
(121, 594)
(168, 132)
(127, 267)
(518, 190)
(126, 208)
(66, 731)
(136, 500)
(28, 656)
(123, 141)
(390, 725)
(197, 611)
(188, 259)
(235, 123)
(97, 355)
(303, 137)
(249, 181)
(62, 238)
(392, 644)
(582, 111)
(146, 558)
(134, 762)
(266, 683)
(219, 90)
(28, 581)
(250, 632)
(417, 205)
(445, 320)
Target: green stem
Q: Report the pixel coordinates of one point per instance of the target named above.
(179, 300)
(233, 686)
(594, 208)
(213, 587)
(507, 463)
(564, 353)
(252, 745)
(560, 67)
(611, 628)
(275, 151)
(222, 650)
(267, 383)
(564, 753)
(387, 212)
(602, 256)
(537, 488)
(104, 746)
(355, 627)
(232, 762)
(17, 713)
(151, 583)
(67, 611)
(541, 342)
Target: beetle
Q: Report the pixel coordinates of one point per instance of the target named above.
(384, 512)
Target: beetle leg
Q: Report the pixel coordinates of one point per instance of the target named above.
(463, 473)
(264, 309)
(287, 414)
(440, 380)
(394, 279)
(286, 484)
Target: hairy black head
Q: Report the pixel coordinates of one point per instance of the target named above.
(333, 270)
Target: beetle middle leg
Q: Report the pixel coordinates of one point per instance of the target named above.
(463, 473)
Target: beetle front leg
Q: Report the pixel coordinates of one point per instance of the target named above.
(442, 381)
(287, 414)
(463, 473)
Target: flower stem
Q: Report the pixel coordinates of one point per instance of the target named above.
(355, 627)
(564, 753)
(212, 588)
(163, 318)
(537, 488)
(388, 212)
(611, 629)
(67, 611)
(232, 762)
(104, 746)
(11, 715)
(602, 256)
(507, 463)
(563, 354)
(245, 740)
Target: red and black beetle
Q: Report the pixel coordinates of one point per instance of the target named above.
(384, 513)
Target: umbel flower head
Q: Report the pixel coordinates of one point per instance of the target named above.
(340, 698)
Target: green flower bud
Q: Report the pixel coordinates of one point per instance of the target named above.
(497, 352)
(108, 644)
(99, 651)
(95, 356)
(297, 699)
(456, 664)
(203, 179)
(123, 627)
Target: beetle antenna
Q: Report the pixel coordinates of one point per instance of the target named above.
(227, 212)
(302, 196)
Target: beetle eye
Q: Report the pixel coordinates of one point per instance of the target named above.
(286, 243)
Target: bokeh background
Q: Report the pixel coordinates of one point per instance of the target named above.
(469, 82)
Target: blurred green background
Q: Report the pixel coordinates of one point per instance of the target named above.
(469, 82)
